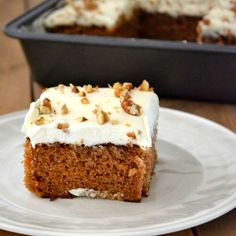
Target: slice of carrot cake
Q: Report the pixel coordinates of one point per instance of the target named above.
(92, 142)
(103, 17)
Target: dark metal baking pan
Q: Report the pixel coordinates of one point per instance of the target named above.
(175, 69)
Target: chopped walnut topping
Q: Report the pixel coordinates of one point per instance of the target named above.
(132, 172)
(84, 101)
(82, 94)
(121, 89)
(127, 124)
(64, 110)
(41, 121)
(47, 103)
(81, 119)
(102, 116)
(43, 110)
(90, 5)
(130, 107)
(96, 88)
(89, 88)
(46, 107)
(127, 86)
(139, 132)
(63, 126)
(132, 135)
(117, 86)
(115, 122)
(74, 89)
(144, 86)
(206, 22)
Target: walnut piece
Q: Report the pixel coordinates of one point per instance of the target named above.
(82, 94)
(74, 89)
(102, 116)
(131, 135)
(130, 107)
(63, 126)
(89, 88)
(64, 110)
(121, 89)
(84, 101)
(41, 121)
(144, 86)
(46, 107)
(127, 86)
(81, 119)
(117, 86)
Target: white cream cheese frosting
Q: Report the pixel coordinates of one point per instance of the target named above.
(177, 7)
(89, 132)
(106, 14)
(220, 21)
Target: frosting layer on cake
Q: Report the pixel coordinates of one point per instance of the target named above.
(217, 17)
(71, 115)
(220, 21)
(177, 7)
(105, 13)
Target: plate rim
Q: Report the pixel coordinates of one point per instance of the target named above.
(228, 205)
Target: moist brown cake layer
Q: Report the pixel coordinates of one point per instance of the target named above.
(124, 28)
(124, 172)
(163, 26)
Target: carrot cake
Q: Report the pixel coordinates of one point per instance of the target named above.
(92, 142)
(99, 17)
(203, 21)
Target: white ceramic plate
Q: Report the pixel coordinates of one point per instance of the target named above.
(195, 183)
